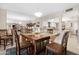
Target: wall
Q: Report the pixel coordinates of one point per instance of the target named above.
(3, 15)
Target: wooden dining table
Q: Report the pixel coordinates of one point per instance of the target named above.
(36, 38)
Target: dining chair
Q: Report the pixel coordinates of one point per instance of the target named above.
(65, 41)
(21, 45)
(59, 49)
(5, 38)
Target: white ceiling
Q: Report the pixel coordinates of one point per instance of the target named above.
(30, 8)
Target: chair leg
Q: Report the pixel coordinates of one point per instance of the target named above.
(4, 44)
(46, 51)
(65, 52)
(17, 51)
(31, 50)
(0, 42)
(27, 50)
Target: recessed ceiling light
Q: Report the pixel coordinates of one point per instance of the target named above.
(20, 22)
(38, 14)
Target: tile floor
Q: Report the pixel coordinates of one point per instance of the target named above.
(73, 44)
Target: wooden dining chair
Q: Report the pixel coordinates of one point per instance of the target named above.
(5, 38)
(58, 49)
(65, 41)
(19, 46)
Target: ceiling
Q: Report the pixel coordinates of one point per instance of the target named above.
(30, 8)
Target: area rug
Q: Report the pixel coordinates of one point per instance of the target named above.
(12, 51)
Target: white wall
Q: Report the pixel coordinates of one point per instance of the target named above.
(3, 14)
(15, 17)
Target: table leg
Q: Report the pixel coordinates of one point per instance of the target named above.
(34, 44)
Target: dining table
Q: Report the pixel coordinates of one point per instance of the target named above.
(36, 38)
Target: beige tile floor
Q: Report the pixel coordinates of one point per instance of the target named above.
(72, 46)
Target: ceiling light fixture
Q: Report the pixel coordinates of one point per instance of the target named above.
(38, 14)
(20, 22)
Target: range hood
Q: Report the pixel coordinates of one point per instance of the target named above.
(68, 10)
